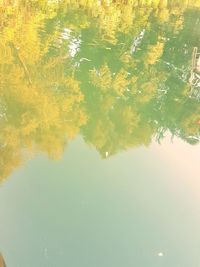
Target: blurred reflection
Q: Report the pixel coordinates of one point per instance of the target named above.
(115, 72)
(2, 262)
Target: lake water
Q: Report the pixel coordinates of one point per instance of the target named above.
(99, 133)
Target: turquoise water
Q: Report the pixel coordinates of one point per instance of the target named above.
(99, 133)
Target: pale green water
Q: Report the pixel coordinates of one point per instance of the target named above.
(100, 129)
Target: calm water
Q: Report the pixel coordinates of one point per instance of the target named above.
(99, 133)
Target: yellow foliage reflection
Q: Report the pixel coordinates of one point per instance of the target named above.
(90, 67)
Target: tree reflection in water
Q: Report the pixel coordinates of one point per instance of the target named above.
(2, 262)
(115, 73)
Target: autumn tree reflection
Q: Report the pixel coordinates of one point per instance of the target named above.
(115, 72)
(2, 262)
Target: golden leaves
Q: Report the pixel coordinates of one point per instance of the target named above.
(120, 82)
(44, 104)
(109, 82)
(102, 78)
(154, 53)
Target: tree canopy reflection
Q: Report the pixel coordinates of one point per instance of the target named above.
(115, 72)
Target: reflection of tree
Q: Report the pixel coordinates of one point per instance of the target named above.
(41, 102)
(2, 262)
(114, 72)
(136, 96)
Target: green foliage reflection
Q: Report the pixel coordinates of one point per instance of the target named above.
(115, 72)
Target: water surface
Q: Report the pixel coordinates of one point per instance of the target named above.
(100, 130)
